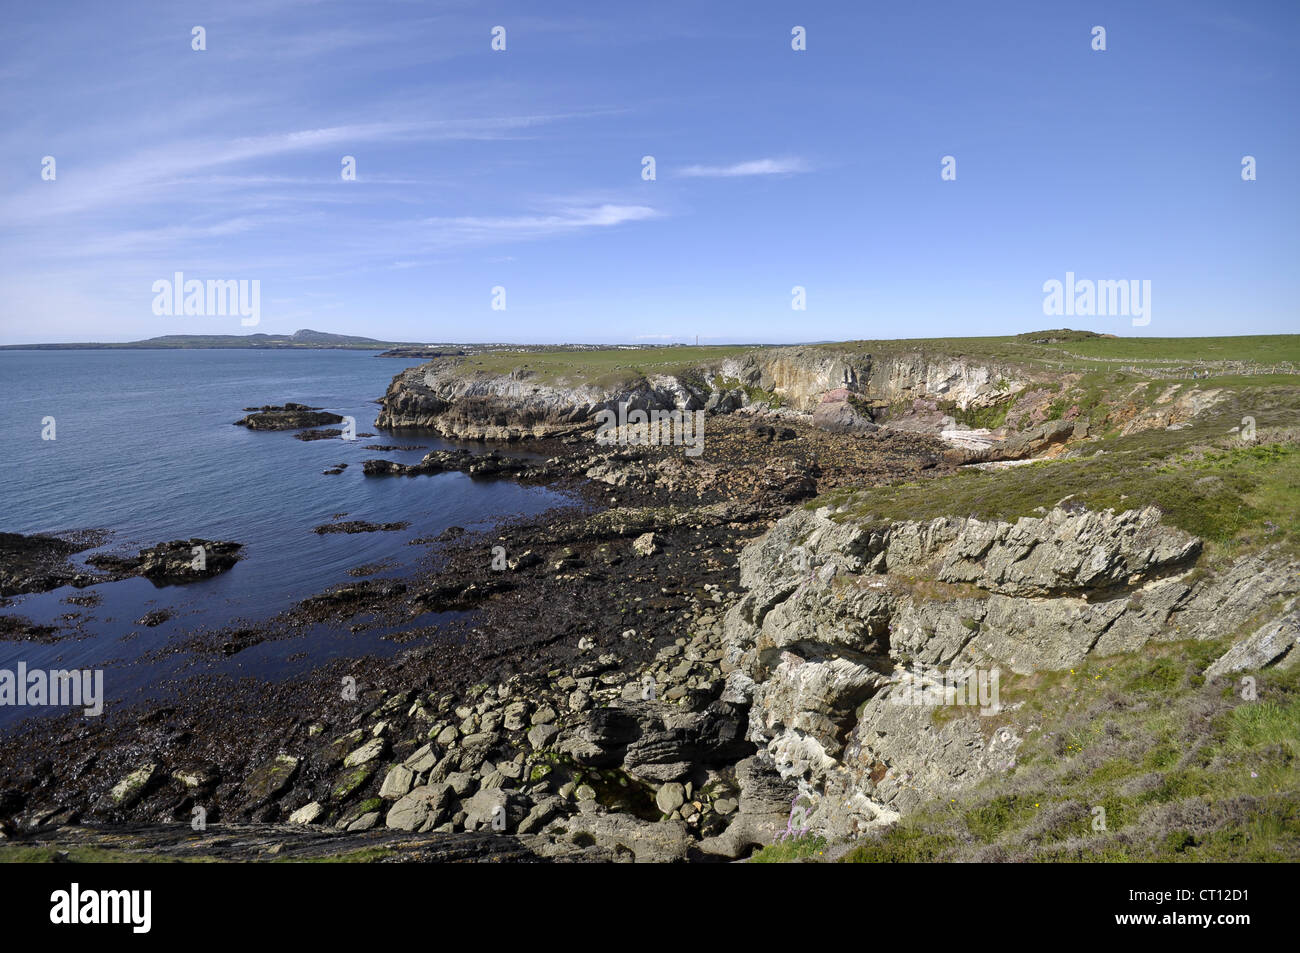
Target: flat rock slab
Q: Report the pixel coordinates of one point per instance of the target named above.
(279, 842)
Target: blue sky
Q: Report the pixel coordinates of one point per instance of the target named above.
(522, 168)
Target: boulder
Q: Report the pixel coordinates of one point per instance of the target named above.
(725, 401)
(174, 562)
(495, 809)
(540, 736)
(307, 814)
(131, 788)
(670, 797)
(271, 779)
(421, 810)
(368, 752)
(671, 746)
(397, 783)
(840, 412)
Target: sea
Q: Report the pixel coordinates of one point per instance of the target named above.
(145, 449)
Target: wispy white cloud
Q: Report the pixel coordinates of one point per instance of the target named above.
(135, 241)
(513, 227)
(138, 177)
(752, 167)
(252, 181)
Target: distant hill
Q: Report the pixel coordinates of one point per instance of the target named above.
(1062, 336)
(304, 339)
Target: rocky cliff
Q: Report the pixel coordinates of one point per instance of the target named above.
(802, 376)
(845, 625)
(446, 396)
(438, 396)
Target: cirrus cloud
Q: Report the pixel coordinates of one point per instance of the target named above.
(513, 227)
(788, 166)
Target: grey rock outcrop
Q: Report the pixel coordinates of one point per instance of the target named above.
(1274, 643)
(837, 413)
(647, 841)
(512, 406)
(766, 801)
(1035, 440)
(658, 741)
(286, 417)
(444, 396)
(845, 626)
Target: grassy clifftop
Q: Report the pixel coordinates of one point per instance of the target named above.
(1078, 351)
(1084, 351)
(1206, 476)
(1133, 758)
(602, 367)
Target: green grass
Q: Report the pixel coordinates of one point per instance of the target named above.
(1084, 353)
(786, 851)
(1091, 349)
(1259, 348)
(998, 814)
(1234, 496)
(1160, 675)
(903, 844)
(755, 394)
(605, 367)
(1184, 770)
(990, 417)
(21, 854)
(1265, 724)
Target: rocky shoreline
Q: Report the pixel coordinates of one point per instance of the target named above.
(690, 662)
(40, 563)
(607, 575)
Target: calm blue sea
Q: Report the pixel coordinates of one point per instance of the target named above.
(146, 449)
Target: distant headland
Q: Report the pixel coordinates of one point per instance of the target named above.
(303, 339)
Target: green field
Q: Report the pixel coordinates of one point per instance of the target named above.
(603, 367)
(1204, 478)
(1078, 351)
(1259, 349)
